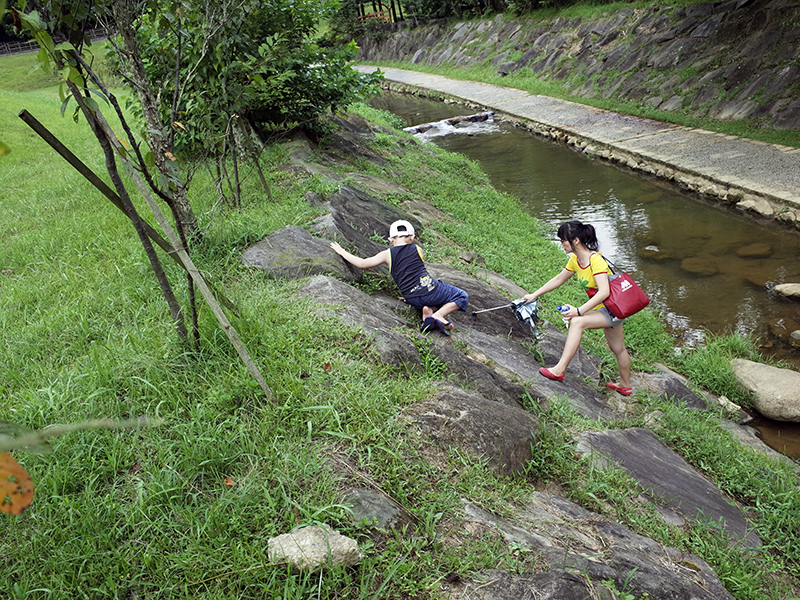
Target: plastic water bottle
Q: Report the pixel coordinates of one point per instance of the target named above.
(563, 309)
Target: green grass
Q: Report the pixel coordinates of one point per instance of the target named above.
(85, 334)
(752, 479)
(591, 9)
(21, 74)
(709, 365)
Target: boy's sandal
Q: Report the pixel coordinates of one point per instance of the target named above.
(443, 327)
(428, 324)
(625, 391)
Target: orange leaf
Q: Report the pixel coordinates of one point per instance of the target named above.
(169, 155)
(123, 142)
(16, 487)
(229, 482)
(178, 124)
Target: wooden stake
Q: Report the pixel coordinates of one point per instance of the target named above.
(172, 247)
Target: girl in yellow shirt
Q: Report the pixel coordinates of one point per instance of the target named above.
(580, 241)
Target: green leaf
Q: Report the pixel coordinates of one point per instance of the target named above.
(4, 149)
(76, 77)
(43, 58)
(64, 105)
(46, 41)
(91, 104)
(32, 21)
(101, 94)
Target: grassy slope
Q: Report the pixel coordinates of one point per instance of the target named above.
(85, 334)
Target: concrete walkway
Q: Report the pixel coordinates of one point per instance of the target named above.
(757, 176)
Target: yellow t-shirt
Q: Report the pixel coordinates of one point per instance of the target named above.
(597, 264)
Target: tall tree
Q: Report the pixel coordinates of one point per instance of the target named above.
(236, 68)
(81, 83)
(172, 188)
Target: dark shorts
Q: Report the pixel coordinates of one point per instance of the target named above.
(443, 294)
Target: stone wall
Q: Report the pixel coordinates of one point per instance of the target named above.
(725, 60)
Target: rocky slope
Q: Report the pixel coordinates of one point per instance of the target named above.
(491, 375)
(738, 59)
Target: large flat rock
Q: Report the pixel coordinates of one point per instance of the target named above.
(667, 479)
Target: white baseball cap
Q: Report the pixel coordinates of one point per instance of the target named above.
(399, 228)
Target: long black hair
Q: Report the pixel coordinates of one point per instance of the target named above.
(583, 231)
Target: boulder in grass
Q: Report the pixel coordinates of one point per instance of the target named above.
(583, 552)
(293, 253)
(313, 548)
(377, 316)
(776, 391)
(666, 479)
(376, 508)
(500, 434)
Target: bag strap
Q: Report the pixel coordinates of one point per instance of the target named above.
(614, 268)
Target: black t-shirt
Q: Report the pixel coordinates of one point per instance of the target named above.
(409, 272)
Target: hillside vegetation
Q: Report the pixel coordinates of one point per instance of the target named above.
(184, 510)
(727, 67)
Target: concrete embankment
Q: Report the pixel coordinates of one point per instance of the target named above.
(760, 178)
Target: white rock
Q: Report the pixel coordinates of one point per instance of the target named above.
(790, 290)
(728, 405)
(311, 548)
(776, 391)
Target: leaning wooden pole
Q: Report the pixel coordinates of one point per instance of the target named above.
(173, 247)
(104, 189)
(196, 275)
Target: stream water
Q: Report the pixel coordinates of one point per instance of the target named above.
(705, 267)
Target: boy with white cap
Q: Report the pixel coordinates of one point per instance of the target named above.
(434, 298)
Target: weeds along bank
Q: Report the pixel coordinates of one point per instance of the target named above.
(724, 66)
(182, 510)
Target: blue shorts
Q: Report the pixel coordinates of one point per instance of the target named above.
(443, 294)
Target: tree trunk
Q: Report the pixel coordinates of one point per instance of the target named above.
(236, 180)
(186, 222)
(136, 219)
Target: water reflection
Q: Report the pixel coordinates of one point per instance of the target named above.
(705, 267)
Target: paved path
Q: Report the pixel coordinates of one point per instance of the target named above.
(767, 171)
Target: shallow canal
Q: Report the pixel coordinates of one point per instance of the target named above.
(705, 267)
